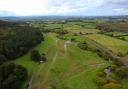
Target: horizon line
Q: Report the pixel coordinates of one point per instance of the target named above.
(65, 15)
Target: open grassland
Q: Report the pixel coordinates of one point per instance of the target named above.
(76, 25)
(71, 68)
(116, 45)
(126, 38)
(115, 34)
(81, 79)
(67, 65)
(85, 31)
(70, 36)
(79, 25)
(83, 64)
(125, 83)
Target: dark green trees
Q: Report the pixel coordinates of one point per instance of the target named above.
(21, 42)
(2, 59)
(43, 57)
(15, 41)
(112, 86)
(122, 72)
(83, 45)
(35, 56)
(12, 76)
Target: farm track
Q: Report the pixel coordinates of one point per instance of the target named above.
(31, 81)
(34, 76)
(71, 63)
(38, 85)
(67, 72)
(72, 68)
(53, 62)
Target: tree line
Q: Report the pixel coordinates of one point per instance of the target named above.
(20, 42)
(12, 76)
(18, 39)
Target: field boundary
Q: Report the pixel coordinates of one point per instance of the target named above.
(112, 55)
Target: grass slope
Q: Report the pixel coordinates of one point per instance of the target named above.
(47, 46)
(74, 68)
(113, 44)
(83, 75)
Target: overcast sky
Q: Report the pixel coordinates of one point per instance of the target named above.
(63, 7)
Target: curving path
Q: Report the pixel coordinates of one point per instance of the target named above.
(53, 61)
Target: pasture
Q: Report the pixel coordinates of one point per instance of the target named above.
(64, 68)
(126, 38)
(68, 66)
(73, 25)
(116, 45)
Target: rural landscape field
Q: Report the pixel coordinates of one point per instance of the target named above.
(75, 54)
(64, 44)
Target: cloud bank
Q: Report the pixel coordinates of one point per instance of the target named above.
(63, 7)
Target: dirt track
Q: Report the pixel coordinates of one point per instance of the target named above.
(53, 61)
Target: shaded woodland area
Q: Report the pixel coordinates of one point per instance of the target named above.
(15, 40)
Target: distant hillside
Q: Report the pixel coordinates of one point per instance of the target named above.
(47, 18)
(7, 24)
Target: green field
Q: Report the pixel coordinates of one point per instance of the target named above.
(82, 53)
(73, 25)
(116, 45)
(125, 83)
(113, 44)
(115, 33)
(85, 31)
(126, 38)
(84, 66)
(63, 68)
(70, 67)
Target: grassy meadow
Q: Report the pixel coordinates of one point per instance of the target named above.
(64, 67)
(70, 67)
(116, 45)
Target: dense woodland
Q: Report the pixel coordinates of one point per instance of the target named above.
(12, 76)
(15, 40)
(19, 41)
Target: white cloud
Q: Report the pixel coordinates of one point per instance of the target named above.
(121, 10)
(45, 7)
(57, 7)
(22, 7)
